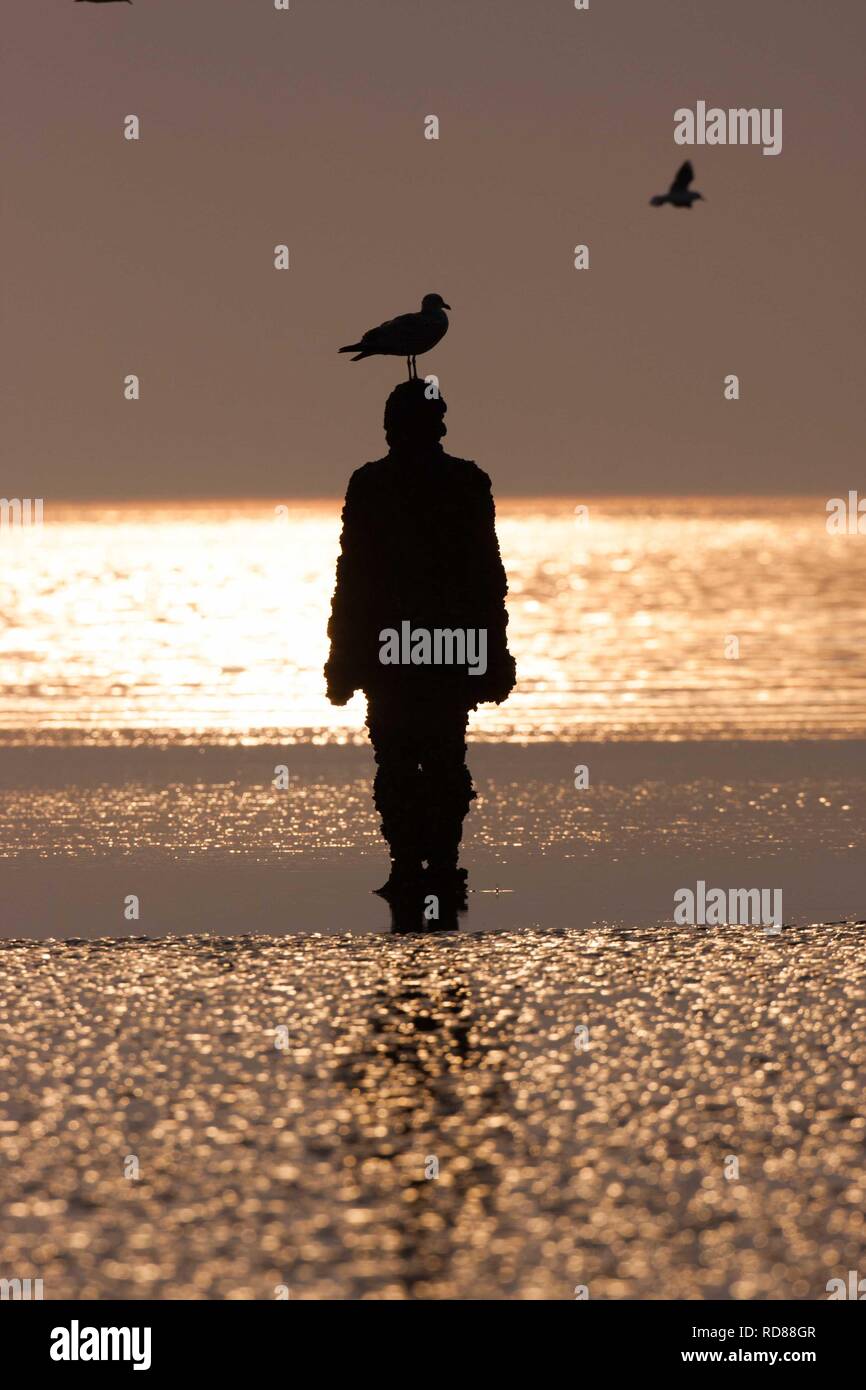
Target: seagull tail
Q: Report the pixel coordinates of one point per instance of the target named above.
(658, 201)
(359, 349)
(351, 347)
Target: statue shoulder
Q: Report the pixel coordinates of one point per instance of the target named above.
(367, 476)
(469, 473)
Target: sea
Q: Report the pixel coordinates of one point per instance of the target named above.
(662, 619)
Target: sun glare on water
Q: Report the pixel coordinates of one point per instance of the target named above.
(208, 621)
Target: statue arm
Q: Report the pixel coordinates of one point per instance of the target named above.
(346, 627)
(491, 587)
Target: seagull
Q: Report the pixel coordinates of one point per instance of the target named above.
(679, 195)
(407, 335)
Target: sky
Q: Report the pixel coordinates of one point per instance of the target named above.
(261, 127)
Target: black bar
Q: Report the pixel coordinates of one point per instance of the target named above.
(233, 1338)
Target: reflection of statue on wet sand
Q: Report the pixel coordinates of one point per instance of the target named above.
(418, 622)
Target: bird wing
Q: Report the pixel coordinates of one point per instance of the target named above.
(406, 334)
(685, 174)
(389, 331)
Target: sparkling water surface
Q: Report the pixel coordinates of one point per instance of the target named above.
(207, 622)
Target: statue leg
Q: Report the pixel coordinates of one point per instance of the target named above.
(397, 786)
(447, 787)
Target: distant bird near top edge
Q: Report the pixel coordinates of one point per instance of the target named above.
(406, 336)
(679, 195)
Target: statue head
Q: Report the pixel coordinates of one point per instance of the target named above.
(412, 421)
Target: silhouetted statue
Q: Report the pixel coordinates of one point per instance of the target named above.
(419, 580)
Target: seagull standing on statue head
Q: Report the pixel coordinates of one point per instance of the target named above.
(407, 336)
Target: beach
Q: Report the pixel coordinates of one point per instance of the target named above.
(427, 1126)
(207, 843)
(282, 1073)
(560, 1092)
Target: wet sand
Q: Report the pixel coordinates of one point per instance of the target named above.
(707, 1144)
(207, 844)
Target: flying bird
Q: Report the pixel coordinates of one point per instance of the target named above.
(406, 336)
(679, 195)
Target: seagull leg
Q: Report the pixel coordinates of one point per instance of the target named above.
(414, 368)
(409, 367)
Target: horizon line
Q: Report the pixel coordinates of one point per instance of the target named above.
(202, 499)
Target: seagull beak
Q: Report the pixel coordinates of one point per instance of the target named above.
(445, 306)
